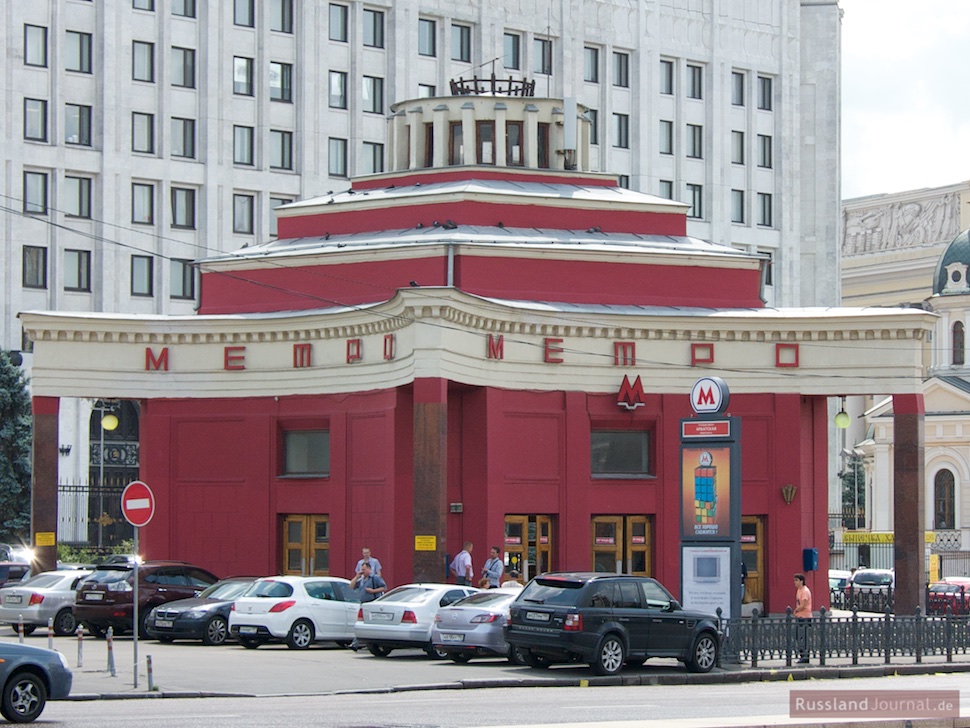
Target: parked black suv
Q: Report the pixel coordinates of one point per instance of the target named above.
(607, 620)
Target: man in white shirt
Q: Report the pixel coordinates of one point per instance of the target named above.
(461, 566)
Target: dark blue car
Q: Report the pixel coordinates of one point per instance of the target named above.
(205, 617)
(29, 677)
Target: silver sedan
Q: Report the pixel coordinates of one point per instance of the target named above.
(475, 627)
(49, 595)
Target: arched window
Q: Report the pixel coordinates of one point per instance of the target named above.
(958, 352)
(943, 505)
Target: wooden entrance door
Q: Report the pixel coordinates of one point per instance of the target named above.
(529, 545)
(753, 556)
(621, 544)
(306, 545)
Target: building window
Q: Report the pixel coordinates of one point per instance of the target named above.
(77, 197)
(737, 206)
(142, 275)
(373, 159)
(512, 51)
(427, 45)
(183, 207)
(77, 125)
(242, 76)
(485, 133)
(373, 95)
(620, 453)
(621, 131)
(737, 88)
(543, 59)
(143, 5)
(35, 120)
(764, 151)
(281, 16)
(513, 144)
(621, 69)
(142, 132)
(695, 141)
(944, 504)
(764, 209)
(594, 125)
(461, 43)
(338, 23)
(142, 203)
(275, 202)
(695, 197)
(34, 266)
(623, 181)
(695, 82)
(373, 29)
(243, 13)
(242, 145)
(77, 51)
(764, 93)
(35, 45)
(183, 138)
(666, 189)
(737, 147)
(183, 67)
(35, 193)
(77, 270)
(456, 143)
(306, 452)
(183, 8)
(768, 267)
(666, 136)
(338, 90)
(337, 162)
(143, 61)
(959, 345)
(242, 214)
(183, 279)
(666, 77)
(427, 91)
(591, 65)
(281, 82)
(280, 149)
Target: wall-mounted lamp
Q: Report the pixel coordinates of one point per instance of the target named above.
(64, 449)
(788, 493)
(842, 419)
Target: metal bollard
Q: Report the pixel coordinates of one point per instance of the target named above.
(80, 643)
(50, 633)
(111, 654)
(20, 628)
(151, 678)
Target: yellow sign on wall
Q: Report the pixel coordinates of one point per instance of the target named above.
(45, 538)
(425, 543)
(880, 537)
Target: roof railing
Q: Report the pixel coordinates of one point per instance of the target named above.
(495, 86)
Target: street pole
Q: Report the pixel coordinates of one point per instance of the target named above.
(101, 481)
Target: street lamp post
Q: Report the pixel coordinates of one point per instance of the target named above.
(109, 422)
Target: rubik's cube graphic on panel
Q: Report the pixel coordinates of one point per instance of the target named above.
(705, 494)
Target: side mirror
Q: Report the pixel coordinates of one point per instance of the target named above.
(673, 606)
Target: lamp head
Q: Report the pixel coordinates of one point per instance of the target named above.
(109, 422)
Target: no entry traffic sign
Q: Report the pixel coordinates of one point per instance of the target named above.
(137, 503)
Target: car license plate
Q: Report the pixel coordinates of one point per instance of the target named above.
(163, 623)
(452, 637)
(247, 630)
(12, 599)
(537, 616)
(94, 596)
(381, 617)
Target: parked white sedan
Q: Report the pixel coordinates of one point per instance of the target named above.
(49, 595)
(298, 610)
(404, 616)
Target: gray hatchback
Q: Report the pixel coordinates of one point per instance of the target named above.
(29, 676)
(608, 620)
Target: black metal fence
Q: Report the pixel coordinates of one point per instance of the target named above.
(854, 637)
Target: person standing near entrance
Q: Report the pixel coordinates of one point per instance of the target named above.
(803, 616)
(461, 565)
(366, 558)
(492, 571)
(368, 587)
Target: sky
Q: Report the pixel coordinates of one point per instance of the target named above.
(905, 95)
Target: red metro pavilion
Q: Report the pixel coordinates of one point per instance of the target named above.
(487, 343)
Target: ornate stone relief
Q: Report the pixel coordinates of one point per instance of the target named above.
(902, 224)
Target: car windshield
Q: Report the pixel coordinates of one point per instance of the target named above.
(482, 599)
(109, 576)
(551, 591)
(225, 590)
(43, 581)
(873, 579)
(407, 594)
(270, 588)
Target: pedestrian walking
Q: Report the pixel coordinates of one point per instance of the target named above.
(461, 565)
(803, 617)
(492, 571)
(365, 557)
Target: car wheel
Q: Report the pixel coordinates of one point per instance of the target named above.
(166, 640)
(379, 650)
(300, 636)
(65, 623)
(28, 629)
(343, 643)
(435, 653)
(250, 643)
(532, 660)
(460, 657)
(610, 656)
(143, 623)
(24, 697)
(517, 656)
(703, 655)
(215, 632)
(95, 630)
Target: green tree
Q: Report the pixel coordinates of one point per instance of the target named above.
(854, 494)
(15, 436)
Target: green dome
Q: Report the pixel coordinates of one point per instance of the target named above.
(957, 251)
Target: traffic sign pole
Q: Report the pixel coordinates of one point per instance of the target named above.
(138, 507)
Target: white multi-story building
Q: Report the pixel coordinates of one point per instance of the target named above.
(140, 135)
